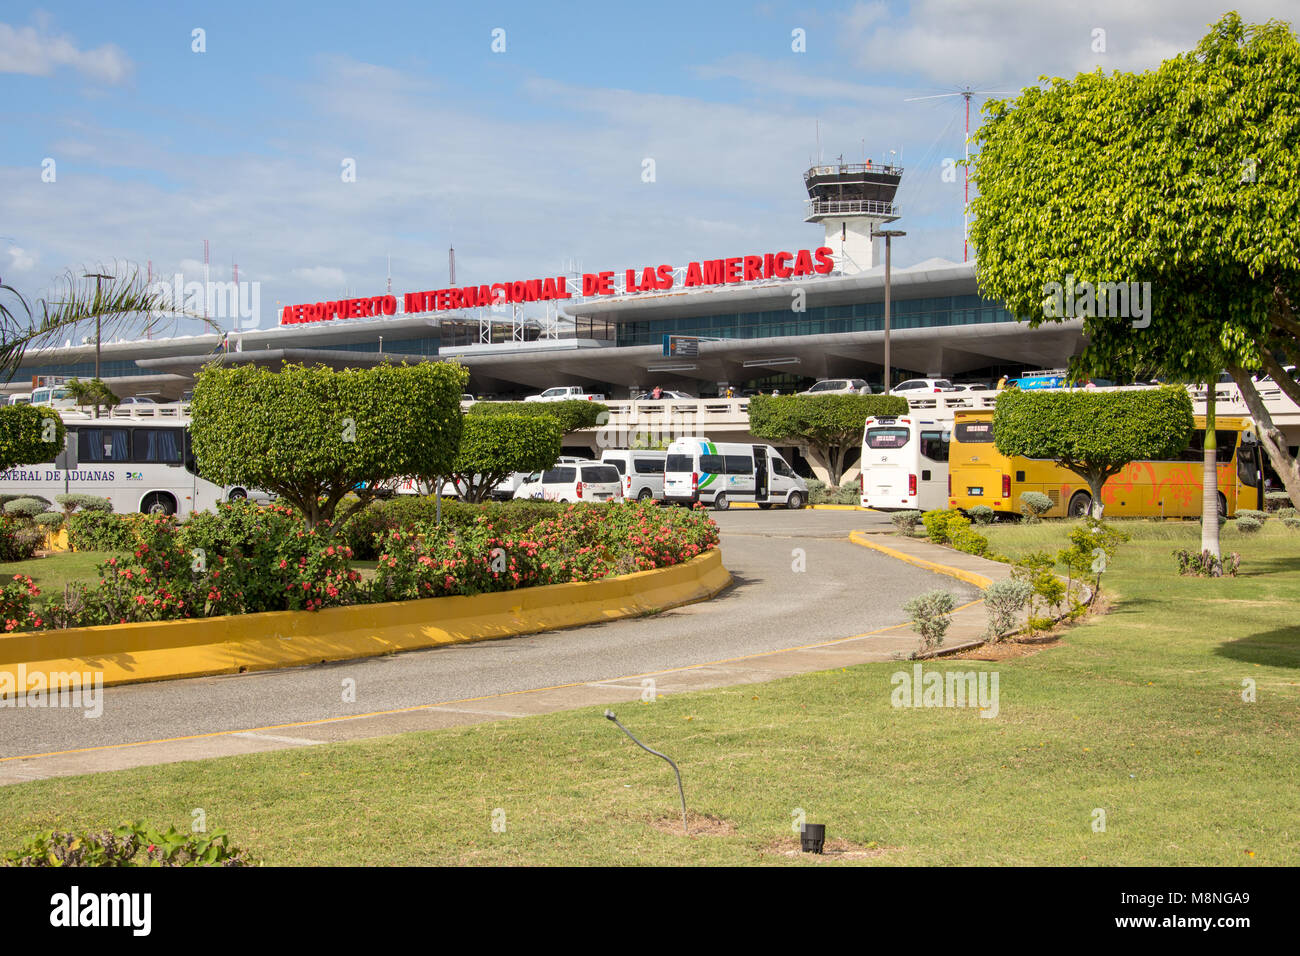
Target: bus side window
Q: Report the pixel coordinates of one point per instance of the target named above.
(934, 445)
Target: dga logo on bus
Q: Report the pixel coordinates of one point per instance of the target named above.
(135, 476)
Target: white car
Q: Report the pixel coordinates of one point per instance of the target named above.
(924, 385)
(137, 400)
(969, 387)
(839, 386)
(573, 482)
(663, 394)
(566, 393)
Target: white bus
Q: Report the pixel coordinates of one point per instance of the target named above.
(141, 464)
(905, 462)
(53, 396)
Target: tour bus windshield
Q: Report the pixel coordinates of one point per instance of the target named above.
(969, 432)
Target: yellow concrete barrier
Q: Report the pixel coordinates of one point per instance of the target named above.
(161, 650)
(970, 577)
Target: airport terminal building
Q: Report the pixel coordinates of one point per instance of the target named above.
(772, 320)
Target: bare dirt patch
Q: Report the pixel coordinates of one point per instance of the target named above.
(832, 850)
(700, 824)
(1006, 650)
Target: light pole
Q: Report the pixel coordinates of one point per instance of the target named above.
(99, 277)
(887, 235)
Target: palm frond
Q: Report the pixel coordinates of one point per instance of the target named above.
(123, 301)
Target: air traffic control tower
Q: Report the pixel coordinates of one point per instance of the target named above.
(852, 200)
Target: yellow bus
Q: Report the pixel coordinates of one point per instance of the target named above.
(978, 474)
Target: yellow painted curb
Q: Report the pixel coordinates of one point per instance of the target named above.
(970, 577)
(162, 650)
(750, 504)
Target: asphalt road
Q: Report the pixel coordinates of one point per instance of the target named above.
(798, 581)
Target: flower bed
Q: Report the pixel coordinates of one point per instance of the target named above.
(245, 559)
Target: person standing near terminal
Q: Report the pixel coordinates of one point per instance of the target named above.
(657, 393)
(1002, 383)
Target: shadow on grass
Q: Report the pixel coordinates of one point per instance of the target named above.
(1253, 568)
(1276, 648)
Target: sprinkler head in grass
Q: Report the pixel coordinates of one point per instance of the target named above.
(609, 715)
(812, 837)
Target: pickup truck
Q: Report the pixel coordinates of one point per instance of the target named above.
(566, 393)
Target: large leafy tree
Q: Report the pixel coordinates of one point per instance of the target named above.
(493, 446)
(1094, 434)
(1183, 177)
(28, 435)
(828, 427)
(314, 436)
(571, 415)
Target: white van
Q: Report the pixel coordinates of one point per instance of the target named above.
(905, 463)
(717, 473)
(20, 398)
(642, 472)
(53, 396)
(573, 481)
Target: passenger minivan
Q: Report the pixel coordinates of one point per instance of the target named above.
(642, 472)
(573, 481)
(716, 473)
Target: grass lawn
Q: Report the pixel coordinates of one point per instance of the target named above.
(1138, 713)
(52, 572)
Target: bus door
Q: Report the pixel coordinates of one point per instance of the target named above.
(932, 488)
(1250, 474)
(761, 483)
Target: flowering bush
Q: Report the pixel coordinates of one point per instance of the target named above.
(242, 559)
(16, 612)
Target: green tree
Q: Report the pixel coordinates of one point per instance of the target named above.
(493, 446)
(93, 392)
(1183, 178)
(828, 427)
(29, 434)
(1094, 434)
(571, 415)
(314, 436)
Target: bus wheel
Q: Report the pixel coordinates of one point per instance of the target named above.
(720, 503)
(795, 501)
(1080, 504)
(158, 503)
(237, 494)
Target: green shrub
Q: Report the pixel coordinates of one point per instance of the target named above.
(970, 541)
(48, 521)
(981, 514)
(75, 502)
(1276, 500)
(1203, 564)
(1033, 505)
(816, 491)
(124, 846)
(940, 524)
(362, 531)
(1292, 522)
(905, 521)
(1259, 516)
(1285, 513)
(28, 507)
(1038, 570)
(1005, 601)
(847, 495)
(18, 540)
(931, 614)
(1249, 525)
(103, 531)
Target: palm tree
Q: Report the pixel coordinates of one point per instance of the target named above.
(122, 301)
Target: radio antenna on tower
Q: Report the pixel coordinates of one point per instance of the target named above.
(390, 275)
(451, 264)
(207, 276)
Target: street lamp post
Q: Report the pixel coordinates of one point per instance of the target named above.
(887, 235)
(99, 295)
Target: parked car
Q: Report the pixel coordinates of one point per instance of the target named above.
(665, 393)
(839, 386)
(924, 385)
(970, 387)
(566, 393)
(137, 400)
(573, 482)
(642, 472)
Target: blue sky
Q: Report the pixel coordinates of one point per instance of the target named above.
(522, 158)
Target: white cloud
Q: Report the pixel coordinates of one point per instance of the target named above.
(322, 276)
(38, 53)
(20, 259)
